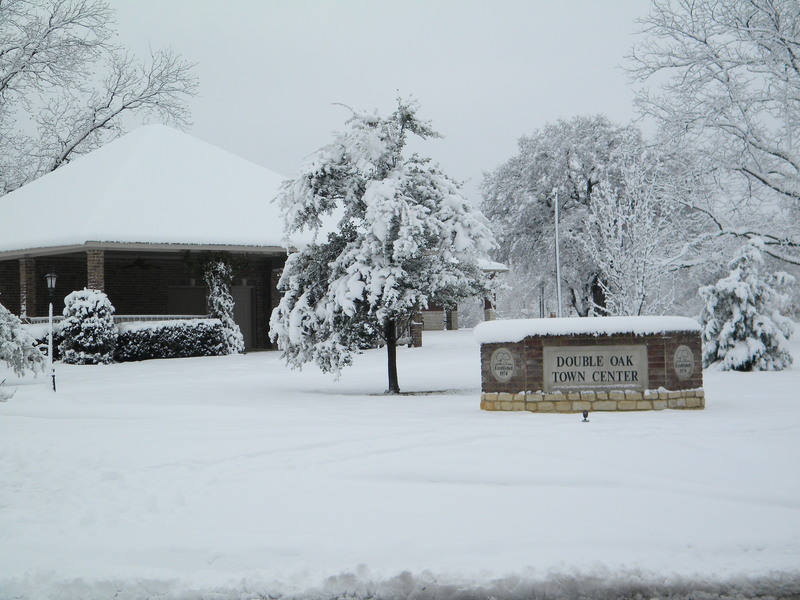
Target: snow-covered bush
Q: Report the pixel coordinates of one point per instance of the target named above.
(17, 346)
(88, 330)
(743, 329)
(171, 339)
(42, 340)
(220, 304)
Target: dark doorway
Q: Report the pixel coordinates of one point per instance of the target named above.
(244, 312)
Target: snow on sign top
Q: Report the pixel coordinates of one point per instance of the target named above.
(155, 185)
(515, 330)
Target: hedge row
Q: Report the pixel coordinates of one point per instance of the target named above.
(160, 339)
(170, 339)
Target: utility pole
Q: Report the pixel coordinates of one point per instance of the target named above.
(558, 258)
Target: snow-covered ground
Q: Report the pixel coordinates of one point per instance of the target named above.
(234, 477)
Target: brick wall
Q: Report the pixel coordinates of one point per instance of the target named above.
(433, 320)
(452, 317)
(136, 283)
(416, 331)
(9, 285)
(71, 271)
(526, 359)
(95, 269)
(439, 319)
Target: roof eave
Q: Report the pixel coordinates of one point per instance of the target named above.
(141, 247)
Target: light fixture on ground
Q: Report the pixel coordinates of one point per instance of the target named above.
(51, 288)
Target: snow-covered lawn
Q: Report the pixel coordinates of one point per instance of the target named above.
(232, 477)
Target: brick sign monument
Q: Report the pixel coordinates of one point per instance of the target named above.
(593, 363)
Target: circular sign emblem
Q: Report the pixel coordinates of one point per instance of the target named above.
(683, 362)
(502, 364)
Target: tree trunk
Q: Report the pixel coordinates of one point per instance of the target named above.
(390, 337)
(581, 307)
(598, 296)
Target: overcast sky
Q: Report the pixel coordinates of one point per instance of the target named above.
(484, 72)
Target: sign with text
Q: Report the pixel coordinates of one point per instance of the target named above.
(501, 365)
(595, 368)
(683, 362)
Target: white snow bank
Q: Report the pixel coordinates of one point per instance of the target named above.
(515, 330)
(9, 378)
(232, 477)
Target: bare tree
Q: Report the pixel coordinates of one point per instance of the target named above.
(563, 162)
(631, 235)
(49, 44)
(730, 89)
(53, 106)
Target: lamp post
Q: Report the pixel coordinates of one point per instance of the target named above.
(51, 288)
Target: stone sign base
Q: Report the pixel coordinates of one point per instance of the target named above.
(576, 402)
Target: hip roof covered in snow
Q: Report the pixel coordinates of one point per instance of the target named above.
(515, 330)
(154, 186)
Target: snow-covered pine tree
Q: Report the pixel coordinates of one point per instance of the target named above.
(743, 329)
(17, 346)
(218, 278)
(88, 330)
(405, 238)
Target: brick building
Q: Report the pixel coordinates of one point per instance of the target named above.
(136, 219)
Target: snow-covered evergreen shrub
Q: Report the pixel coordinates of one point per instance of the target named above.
(17, 346)
(742, 328)
(88, 330)
(42, 341)
(220, 304)
(406, 239)
(171, 339)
